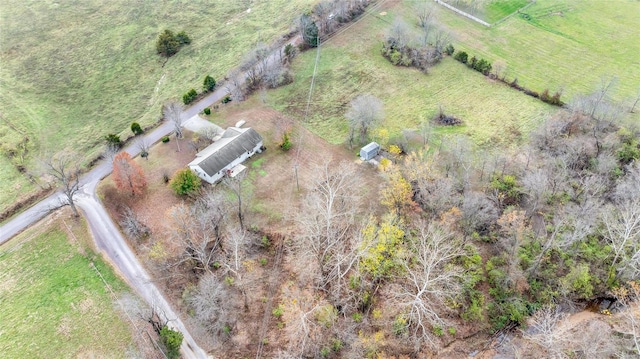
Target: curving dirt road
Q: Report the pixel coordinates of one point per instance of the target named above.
(106, 234)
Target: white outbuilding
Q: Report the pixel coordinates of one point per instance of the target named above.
(369, 151)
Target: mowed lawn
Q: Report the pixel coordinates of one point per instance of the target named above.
(565, 45)
(54, 304)
(351, 64)
(74, 71)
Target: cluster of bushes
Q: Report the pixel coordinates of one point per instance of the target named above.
(419, 57)
(481, 65)
(17, 153)
(190, 96)
(209, 84)
(545, 96)
(446, 120)
(169, 44)
(326, 17)
(402, 48)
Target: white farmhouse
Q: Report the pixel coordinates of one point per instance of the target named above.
(233, 148)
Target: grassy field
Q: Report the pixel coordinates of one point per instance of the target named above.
(489, 10)
(565, 45)
(351, 64)
(54, 304)
(74, 71)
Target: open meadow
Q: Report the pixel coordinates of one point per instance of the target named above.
(75, 71)
(54, 302)
(351, 64)
(558, 44)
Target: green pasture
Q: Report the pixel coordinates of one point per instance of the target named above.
(351, 64)
(54, 304)
(562, 45)
(488, 10)
(73, 71)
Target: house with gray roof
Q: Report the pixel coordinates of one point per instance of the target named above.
(234, 147)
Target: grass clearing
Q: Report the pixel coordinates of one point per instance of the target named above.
(490, 10)
(351, 64)
(75, 71)
(565, 45)
(54, 304)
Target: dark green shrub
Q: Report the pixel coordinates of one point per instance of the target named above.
(630, 149)
(461, 56)
(172, 340)
(290, 51)
(207, 111)
(183, 38)
(136, 129)
(482, 66)
(113, 141)
(286, 142)
(164, 139)
(449, 50)
(226, 99)
(190, 96)
(167, 44)
(185, 182)
(508, 187)
(309, 30)
(209, 83)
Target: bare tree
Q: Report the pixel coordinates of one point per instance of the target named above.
(109, 153)
(301, 327)
(478, 212)
(172, 111)
(323, 14)
(255, 64)
(398, 36)
(514, 227)
(544, 330)
(235, 184)
(131, 225)
(143, 146)
(327, 225)
(441, 38)
(196, 228)
(235, 85)
(66, 173)
(209, 133)
(426, 15)
(364, 113)
(622, 232)
(635, 102)
(211, 305)
(433, 278)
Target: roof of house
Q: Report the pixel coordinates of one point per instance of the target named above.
(371, 147)
(233, 143)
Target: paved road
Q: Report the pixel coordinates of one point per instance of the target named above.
(106, 234)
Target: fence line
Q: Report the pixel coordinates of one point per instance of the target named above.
(458, 11)
(513, 13)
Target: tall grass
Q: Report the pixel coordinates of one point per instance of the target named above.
(54, 304)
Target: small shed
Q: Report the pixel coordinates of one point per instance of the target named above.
(369, 151)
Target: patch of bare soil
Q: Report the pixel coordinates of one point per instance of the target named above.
(164, 160)
(281, 178)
